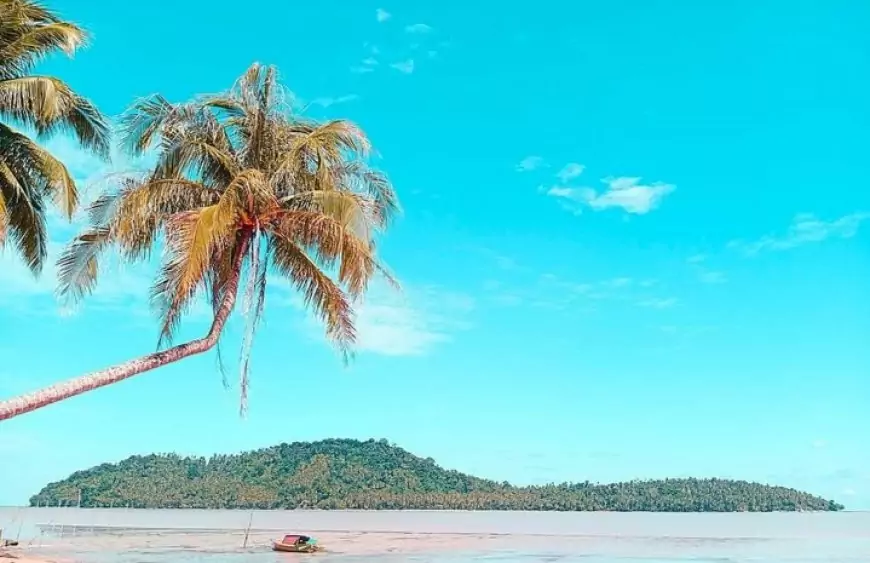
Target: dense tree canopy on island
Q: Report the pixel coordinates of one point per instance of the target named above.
(350, 474)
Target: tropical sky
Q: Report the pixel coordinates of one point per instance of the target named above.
(635, 244)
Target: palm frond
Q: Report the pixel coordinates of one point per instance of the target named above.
(357, 177)
(37, 171)
(140, 125)
(198, 159)
(332, 245)
(254, 300)
(21, 49)
(229, 104)
(258, 90)
(4, 220)
(78, 265)
(26, 11)
(29, 32)
(325, 145)
(351, 210)
(49, 105)
(319, 292)
(138, 212)
(25, 219)
(192, 240)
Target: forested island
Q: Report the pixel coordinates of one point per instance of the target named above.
(352, 474)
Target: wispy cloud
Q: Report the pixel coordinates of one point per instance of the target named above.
(712, 277)
(501, 260)
(805, 228)
(369, 63)
(413, 324)
(626, 193)
(530, 163)
(391, 323)
(418, 28)
(659, 303)
(697, 263)
(382, 15)
(570, 171)
(553, 292)
(406, 67)
(327, 102)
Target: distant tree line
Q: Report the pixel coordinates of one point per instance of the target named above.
(350, 474)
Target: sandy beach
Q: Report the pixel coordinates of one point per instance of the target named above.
(157, 536)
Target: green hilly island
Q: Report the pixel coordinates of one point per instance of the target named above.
(373, 474)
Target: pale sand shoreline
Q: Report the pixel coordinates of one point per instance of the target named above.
(338, 543)
(122, 536)
(228, 546)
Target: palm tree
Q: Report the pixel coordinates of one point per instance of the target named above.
(241, 185)
(29, 175)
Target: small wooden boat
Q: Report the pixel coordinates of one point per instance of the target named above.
(296, 544)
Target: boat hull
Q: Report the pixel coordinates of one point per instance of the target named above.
(293, 548)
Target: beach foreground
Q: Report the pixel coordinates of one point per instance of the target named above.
(63, 535)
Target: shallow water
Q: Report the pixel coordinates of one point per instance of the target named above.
(192, 536)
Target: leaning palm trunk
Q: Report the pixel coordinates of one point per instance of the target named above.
(44, 397)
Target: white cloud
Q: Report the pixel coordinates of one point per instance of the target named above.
(392, 323)
(619, 282)
(326, 102)
(405, 66)
(805, 228)
(696, 258)
(712, 277)
(659, 303)
(820, 444)
(368, 64)
(418, 28)
(382, 15)
(530, 163)
(624, 193)
(410, 323)
(570, 171)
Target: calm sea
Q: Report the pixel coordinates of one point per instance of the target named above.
(163, 536)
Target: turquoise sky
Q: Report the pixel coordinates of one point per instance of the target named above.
(636, 243)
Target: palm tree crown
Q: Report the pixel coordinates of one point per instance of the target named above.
(30, 175)
(241, 184)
